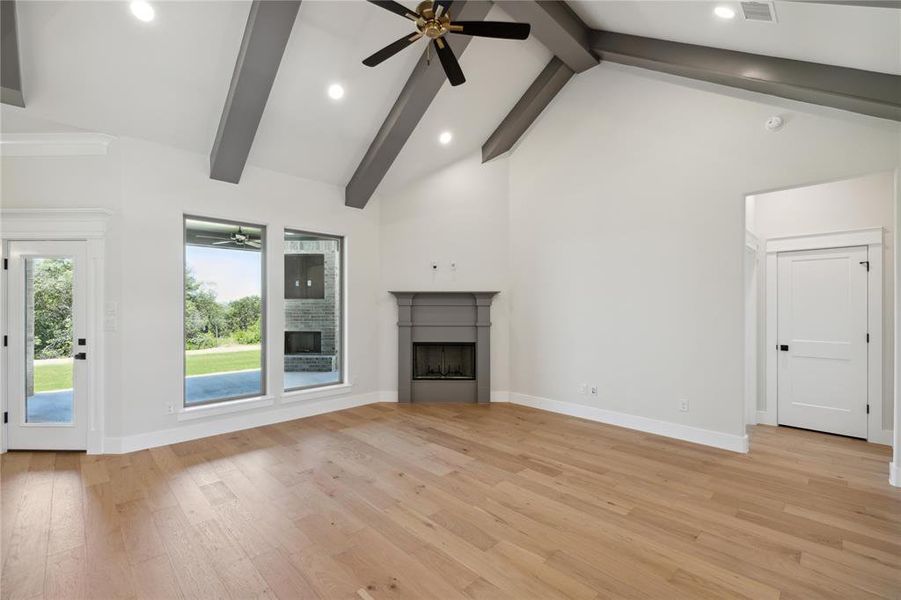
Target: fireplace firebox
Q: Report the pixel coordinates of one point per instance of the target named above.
(303, 342)
(444, 361)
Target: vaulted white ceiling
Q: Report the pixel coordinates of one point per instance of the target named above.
(93, 66)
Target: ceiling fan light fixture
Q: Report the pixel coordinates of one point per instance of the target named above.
(336, 91)
(445, 138)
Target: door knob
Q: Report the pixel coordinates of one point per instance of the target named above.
(783, 347)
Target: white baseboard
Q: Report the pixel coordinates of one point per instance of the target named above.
(500, 396)
(882, 436)
(388, 396)
(193, 431)
(766, 418)
(894, 474)
(707, 437)
(297, 410)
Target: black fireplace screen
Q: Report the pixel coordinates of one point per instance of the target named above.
(303, 342)
(444, 361)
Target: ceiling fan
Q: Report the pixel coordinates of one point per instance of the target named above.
(238, 238)
(434, 22)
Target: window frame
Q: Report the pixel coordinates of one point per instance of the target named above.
(264, 306)
(340, 304)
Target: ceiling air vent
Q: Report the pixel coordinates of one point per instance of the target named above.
(762, 12)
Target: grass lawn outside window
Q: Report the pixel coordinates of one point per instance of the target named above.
(56, 374)
(204, 362)
(52, 374)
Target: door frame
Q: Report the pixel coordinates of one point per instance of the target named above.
(871, 238)
(51, 224)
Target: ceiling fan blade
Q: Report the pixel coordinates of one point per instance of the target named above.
(439, 7)
(449, 61)
(492, 29)
(211, 237)
(390, 50)
(223, 242)
(253, 244)
(396, 7)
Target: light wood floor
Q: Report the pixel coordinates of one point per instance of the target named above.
(443, 502)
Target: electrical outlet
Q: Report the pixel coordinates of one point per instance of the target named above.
(170, 409)
(453, 265)
(683, 405)
(583, 389)
(594, 390)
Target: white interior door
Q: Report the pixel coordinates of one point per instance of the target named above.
(822, 330)
(47, 354)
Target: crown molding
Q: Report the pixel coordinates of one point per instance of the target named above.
(53, 223)
(55, 144)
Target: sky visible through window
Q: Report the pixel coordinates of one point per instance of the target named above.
(233, 274)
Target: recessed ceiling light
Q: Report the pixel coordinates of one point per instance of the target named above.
(445, 137)
(724, 12)
(336, 91)
(142, 10)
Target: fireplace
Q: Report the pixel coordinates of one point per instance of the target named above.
(443, 348)
(303, 342)
(444, 361)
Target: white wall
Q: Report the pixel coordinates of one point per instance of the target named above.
(614, 234)
(857, 203)
(150, 187)
(458, 214)
(627, 225)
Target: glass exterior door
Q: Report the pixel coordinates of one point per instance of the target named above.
(48, 349)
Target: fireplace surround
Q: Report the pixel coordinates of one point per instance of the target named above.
(444, 346)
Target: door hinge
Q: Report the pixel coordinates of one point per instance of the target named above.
(6, 264)
(5, 417)
(868, 338)
(868, 409)
(866, 263)
(5, 341)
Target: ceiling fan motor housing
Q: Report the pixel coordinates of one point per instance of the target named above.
(429, 25)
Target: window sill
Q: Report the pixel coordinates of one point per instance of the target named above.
(319, 392)
(223, 408)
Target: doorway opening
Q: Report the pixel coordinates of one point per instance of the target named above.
(818, 296)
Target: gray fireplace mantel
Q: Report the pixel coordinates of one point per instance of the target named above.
(443, 317)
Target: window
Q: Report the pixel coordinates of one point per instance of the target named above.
(224, 316)
(314, 323)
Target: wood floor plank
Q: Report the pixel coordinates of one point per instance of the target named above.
(454, 501)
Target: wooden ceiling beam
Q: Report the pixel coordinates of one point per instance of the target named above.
(855, 90)
(557, 27)
(266, 35)
(409, 108)
(10, 62)
(542, 91)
